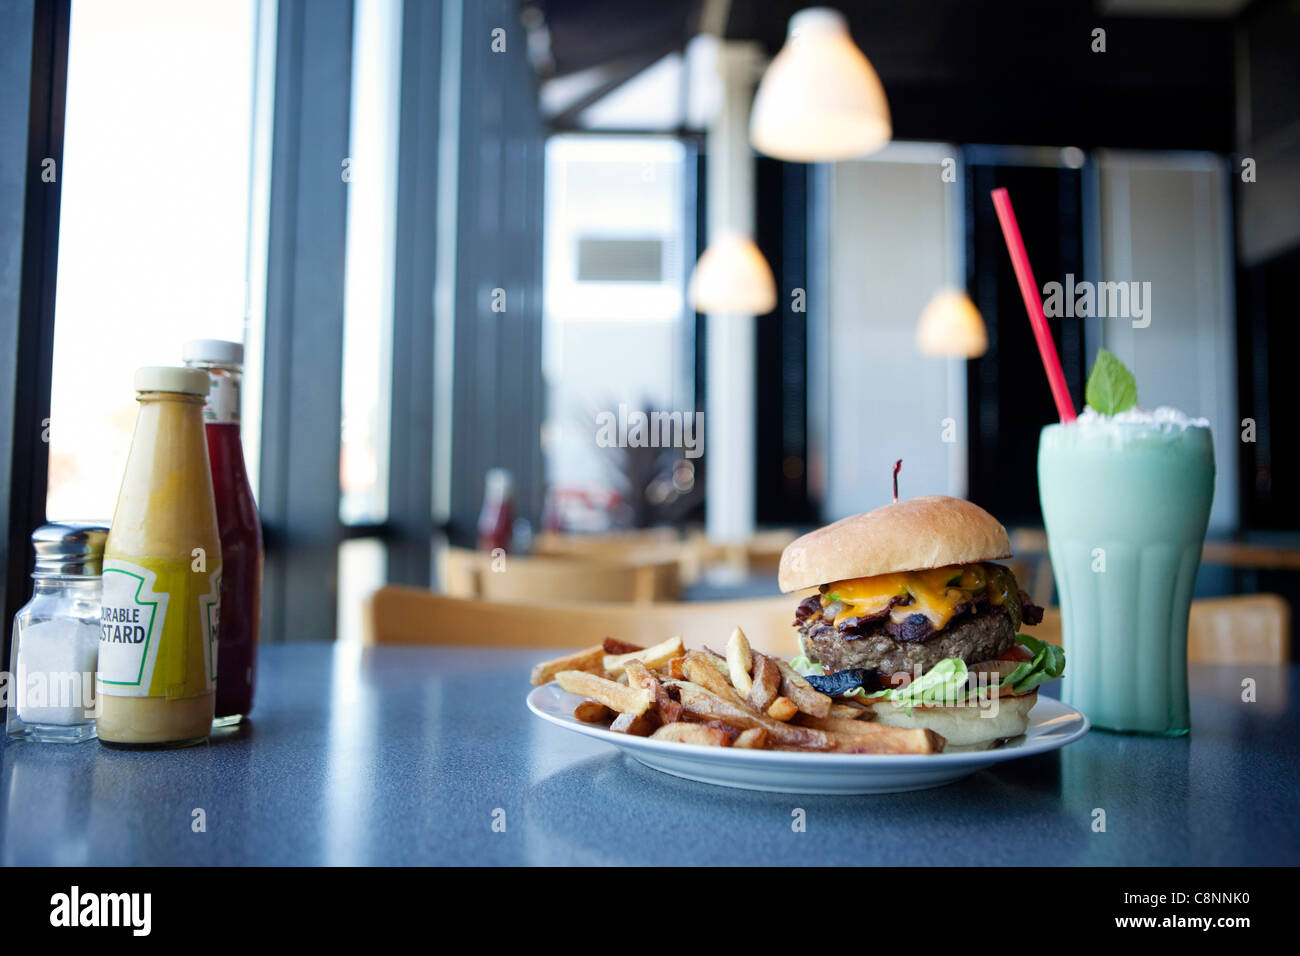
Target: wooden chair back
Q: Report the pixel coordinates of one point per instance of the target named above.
(645, 546)
(1253, 628)
(604, 544)
(510, 578)
(1245, 629)
(403, 615)
(762, 552)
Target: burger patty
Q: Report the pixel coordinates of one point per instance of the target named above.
(979, 635)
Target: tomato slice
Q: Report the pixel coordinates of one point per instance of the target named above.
(1016, 652)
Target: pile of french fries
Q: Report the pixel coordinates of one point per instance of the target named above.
(745, 699)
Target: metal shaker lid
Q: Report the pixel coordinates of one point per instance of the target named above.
(70, 548)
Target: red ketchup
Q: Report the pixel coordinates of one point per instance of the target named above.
(239, 527)
(496, 520)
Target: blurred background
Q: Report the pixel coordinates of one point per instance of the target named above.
(457, 240)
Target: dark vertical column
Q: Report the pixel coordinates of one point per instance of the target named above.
(33, 87)
(781, 445)
(688, 254)
(526, 226)
(410, 475)
(1008, 398)
(304, 319)
(817, 407)
(695, 192)
(496, 380)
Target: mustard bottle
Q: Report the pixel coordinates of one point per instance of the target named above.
(162, 575)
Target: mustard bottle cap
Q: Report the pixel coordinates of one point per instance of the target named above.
(160, 378)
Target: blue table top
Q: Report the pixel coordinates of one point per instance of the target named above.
(409, 756)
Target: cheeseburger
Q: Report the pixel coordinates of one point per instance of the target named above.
(914, 616)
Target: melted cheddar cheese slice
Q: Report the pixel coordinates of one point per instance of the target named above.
(936, 593)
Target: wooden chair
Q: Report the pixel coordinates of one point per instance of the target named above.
(1246, 629)
(762, 552)
(693, 552)
(403, 615)
(603, 544)
(642, 546)
(476, 575)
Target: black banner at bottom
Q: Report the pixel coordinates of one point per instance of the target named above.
(331, 905)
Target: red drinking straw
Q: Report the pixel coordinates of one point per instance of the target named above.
(1033, 304)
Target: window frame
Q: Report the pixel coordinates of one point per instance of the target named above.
(436, 295)
(33, 96)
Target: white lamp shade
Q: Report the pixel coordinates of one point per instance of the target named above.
(820, 100)
(952, 326)
(732, 277)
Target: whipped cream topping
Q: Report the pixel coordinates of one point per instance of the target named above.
(1163, 417)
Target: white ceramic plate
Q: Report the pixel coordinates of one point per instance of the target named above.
(1051, 725)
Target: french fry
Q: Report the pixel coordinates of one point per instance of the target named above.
(718, 661)
(683, 733)
(740, 660)
(642, 725)
(849, 711)
(731, 731)
(700, 670)
(766, 684)
(590, 712)
(613, 645)
(868, 737)
(655, 656)
(915, 740)
(843, 725)
(591, 660)
(626, 700)
(701, 702)
(745, 699)
(783, 708)
(807, 698)
(638, 675)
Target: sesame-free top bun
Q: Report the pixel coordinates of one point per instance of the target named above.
(912, 535)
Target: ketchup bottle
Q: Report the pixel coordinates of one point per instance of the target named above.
(496, 520)
(238, 524)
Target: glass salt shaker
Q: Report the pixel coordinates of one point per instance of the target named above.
(55, 643)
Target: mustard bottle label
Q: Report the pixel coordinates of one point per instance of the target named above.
(159, 632)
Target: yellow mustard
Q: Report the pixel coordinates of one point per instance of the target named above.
(162, 575)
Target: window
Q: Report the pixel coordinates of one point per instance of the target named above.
(153, 239)
(202, 197)
(368, 305)
(368, 294)
(617, 251)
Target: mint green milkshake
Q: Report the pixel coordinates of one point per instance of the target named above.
(1126, 500)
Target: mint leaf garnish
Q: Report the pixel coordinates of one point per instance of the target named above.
(1111, 387)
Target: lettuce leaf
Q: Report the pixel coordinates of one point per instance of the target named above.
(944, 683)
(947, 681)
(1048, 663)
(803, 666)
